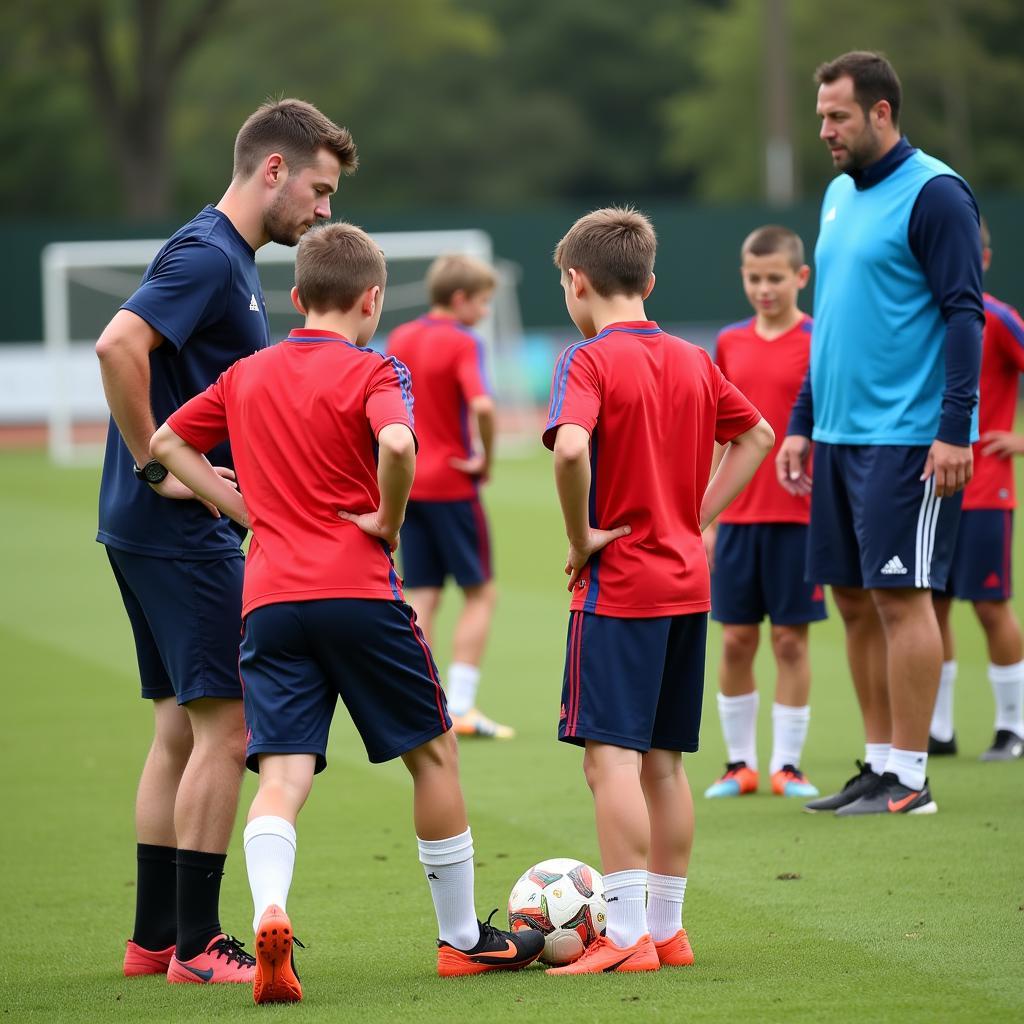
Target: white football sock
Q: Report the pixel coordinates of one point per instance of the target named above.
(739, 727)
(463, 680)
(664, 905)
(448, 865)
(1008, 689)
(942, 717)
(625, 893)
(789, 733)
(269, 844)
(875, 756)
(910, 766)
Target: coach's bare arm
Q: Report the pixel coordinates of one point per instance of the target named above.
(739, 463)
(123, 351)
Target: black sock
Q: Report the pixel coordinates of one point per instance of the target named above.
(199, 876)
(156, 897)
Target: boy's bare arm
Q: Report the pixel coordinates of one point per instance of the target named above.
(739, 462)
(572, 479)
(396, 467)
(484, 415)
(1002, 443)
(214, 486)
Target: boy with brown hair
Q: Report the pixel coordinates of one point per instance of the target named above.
(758, 554)
(322, 432)
(446, 531)
(634, 417)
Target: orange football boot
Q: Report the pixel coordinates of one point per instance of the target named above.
(738, 780)
(276, 980)
(675, 951)
(496, 950)
(602, 956)
(223, 960)
(139, 960)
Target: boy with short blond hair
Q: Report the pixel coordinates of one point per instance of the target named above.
(322, 433)
(634, 417)
(758, 554)
(446, 531)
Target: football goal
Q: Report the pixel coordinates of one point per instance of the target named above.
(84, 283)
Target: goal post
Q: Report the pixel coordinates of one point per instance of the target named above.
(84, 283)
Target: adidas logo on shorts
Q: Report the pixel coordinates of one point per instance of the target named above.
(894, 567)
(254, 306)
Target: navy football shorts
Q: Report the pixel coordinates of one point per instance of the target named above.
(299, 657)
(983, 557)
(759, 571)
(445, 538)
(634, 683)
(875, 523)
(185, 617)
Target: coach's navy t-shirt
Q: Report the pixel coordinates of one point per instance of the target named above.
(202, 293)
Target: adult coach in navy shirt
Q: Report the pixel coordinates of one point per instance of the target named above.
(890, 402)
(177, 562)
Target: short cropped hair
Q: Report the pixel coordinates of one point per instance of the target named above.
(334, 266)
(874, 79)
(986, 235)
(774, 238)
(614, 247)
(296, 130)
(456, 272)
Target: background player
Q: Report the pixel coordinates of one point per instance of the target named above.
(758, 555)
(446, 531)
(179, 565)
(633, 421)
(322, 433)
(983, 557)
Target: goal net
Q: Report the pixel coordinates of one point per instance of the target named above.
(84, 283)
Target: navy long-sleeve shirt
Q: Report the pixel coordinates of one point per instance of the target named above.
(943, 235)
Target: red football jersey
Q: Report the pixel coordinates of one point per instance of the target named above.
(654, 406)
(303, 417)
(769, 373)
(1002, 359)
(446, 362)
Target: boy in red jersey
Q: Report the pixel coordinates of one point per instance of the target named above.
(982, 558)
(634, 417)
(758, 555)
(322, 432)
(445, 531)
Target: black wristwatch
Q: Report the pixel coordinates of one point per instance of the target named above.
(151, 473)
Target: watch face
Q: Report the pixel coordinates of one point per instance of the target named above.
(153, 472)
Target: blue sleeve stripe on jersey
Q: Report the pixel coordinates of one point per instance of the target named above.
(738, 326)
(562, 376)
(1010, 322)
(404, 384)
(590, 604)
(481, 357)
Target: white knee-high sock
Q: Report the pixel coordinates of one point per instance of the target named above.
(942, 717)
(789, 733)
(463, 681)
(269, 844)
(448, 865)
(625, 893)
(739, 727)
(1008, 689)
(664, 905)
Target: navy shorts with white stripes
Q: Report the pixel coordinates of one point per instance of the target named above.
(875, 523)
(297, 659)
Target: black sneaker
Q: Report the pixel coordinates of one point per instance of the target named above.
(497, 950)
(863, 782)
(890, 796)
(1007, 746)
(941, 748)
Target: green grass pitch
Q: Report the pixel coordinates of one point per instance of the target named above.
(792, 917)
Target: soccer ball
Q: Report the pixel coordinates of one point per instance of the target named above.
(562, 898)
